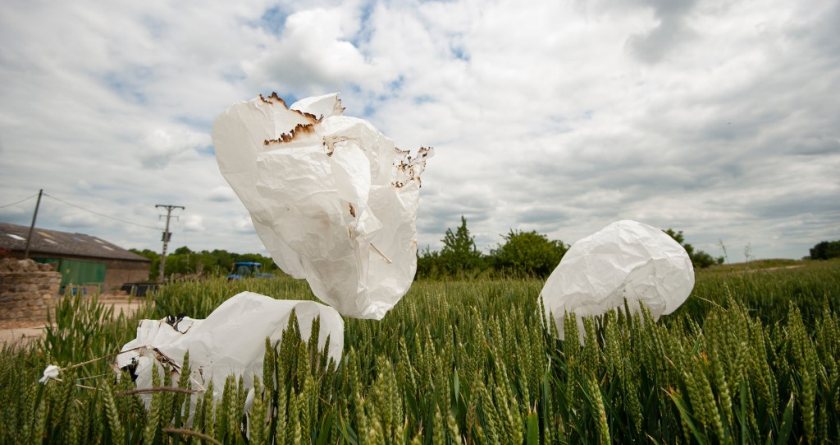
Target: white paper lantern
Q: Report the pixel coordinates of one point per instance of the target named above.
(626, 260)
(331, 198)
(230, 341)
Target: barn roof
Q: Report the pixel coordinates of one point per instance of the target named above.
(53, 242)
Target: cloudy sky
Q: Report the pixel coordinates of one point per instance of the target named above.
(718, 118)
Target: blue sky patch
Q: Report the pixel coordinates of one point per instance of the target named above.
(460, 53)
(396, 85)
(423, 99)
(126, 87)
(273, 20)
(207, 150)
(365, 26)
(289, 98)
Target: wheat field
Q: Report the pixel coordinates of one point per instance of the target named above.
(752, 357)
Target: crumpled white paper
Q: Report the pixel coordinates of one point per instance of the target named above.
(625, 260)
(50, 373)
(230, 341)
(330, 197)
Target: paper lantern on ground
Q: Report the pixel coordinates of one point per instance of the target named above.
(230, 341)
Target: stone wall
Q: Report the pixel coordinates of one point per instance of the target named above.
(27, 290)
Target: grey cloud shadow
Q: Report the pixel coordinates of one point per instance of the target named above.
(670, 32)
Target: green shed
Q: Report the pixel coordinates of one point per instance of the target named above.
(84, 261)
(78, 272)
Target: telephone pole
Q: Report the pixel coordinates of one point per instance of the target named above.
(167, 235)
(32, 226)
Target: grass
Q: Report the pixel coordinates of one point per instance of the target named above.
(752, 357)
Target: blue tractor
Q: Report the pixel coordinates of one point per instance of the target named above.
(247, 269)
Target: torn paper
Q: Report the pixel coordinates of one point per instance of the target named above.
(332, 199)
(230, 341)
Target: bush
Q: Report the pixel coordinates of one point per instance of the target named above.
(826, 250)
(528, 254)
(699, 259)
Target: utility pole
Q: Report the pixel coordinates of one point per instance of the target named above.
(167, 235)
(32, 226)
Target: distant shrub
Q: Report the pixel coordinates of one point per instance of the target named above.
(699, 258)
(528, 254)
(826, 250)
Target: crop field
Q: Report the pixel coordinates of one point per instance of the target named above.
(752, 357)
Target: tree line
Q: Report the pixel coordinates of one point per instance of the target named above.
(825, 250)
(183, 262)
(521, 254)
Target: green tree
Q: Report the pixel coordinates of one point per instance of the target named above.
(154, 257)
(150, 254)
(459, 254)
(528, 254)
(699, 258)
(428, 264)
(184, 261)
(825, 250)
(183, 250)
(268, 264)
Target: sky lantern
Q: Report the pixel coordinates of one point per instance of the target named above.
(332, 199)
(625, 261)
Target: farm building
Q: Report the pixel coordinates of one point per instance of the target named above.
(83, 260)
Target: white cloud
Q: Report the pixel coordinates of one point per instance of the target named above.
(163, 145)
(222, 194)
(717, 118)
(78, 219)
(315, 53)
(243, 224)
(194, 223)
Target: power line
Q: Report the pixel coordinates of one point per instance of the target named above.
(18, 202)
(101, 214)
